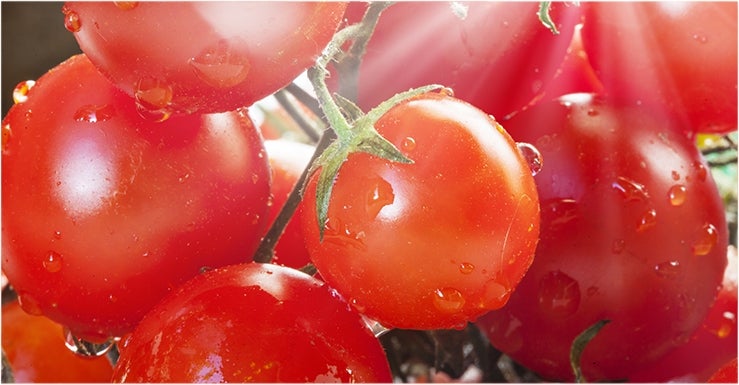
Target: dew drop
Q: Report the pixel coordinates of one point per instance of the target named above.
(220, 66)
(375, 327)
(669, 269)
(532, 156)
(29, 304)
(700, 171)
(618, 246)
(7, 133)
(466, 268)
(677, 195)
(727, 325)
(675, 175)
(126, 5)
(630, 190)
(408, 144)
(647, 221)
(92, 114)
(84, 348)
(57, 235)
(707, 239)
(496, 294)
(72, 21)
(153, 98)
(559, 294)
(448, 300)
(379, 195)
(20, 92)
(52, 262)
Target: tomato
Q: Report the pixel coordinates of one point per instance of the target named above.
(682, 54)
(287, 160)
(253, 323)
(498, 57)
(201, 56)
(104, 212)
(727, 374)
(713, 344)
(35, 349)
(436, 243)
(633, 231)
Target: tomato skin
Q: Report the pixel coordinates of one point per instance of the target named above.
(103, 212)
(253, 323)
(682, 54)
(726, 375)
(436, 243)
(498, 58)
(203, 56)
(287, 160)
(621, 240)
(35, 349)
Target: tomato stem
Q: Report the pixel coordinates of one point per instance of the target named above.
(578, 346)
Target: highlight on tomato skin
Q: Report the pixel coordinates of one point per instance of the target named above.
(436, 243)
(104, 212)
(253, 323)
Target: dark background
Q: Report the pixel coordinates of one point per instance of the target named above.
(34, 40)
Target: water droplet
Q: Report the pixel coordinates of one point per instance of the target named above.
(57, 235)
(677, 194)
(221, 66)
(375, 327)
(466, 268)
(675, 175)
(593, 112)
(86, 348)
(448, 300)
(707, 239)
(153, 98)
(408, 144)
(20, 92)
(7, 133)
(379, 195)
(496, 294)
(669, 269)
(92, 114)
(630, 190)
(52, 262)
(72, 21)
(726, 325)
(126, 5)
(618, 246)
(183, 178)
(700, 171)
(29, 304)
(532, 156)
(559, 294)
(648, 220)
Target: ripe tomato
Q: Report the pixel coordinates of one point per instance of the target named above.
(633, 231)
(287, 160)
(498, 57)
(206, 56)
(683, 54)
(436, 243)
(103, 212)
(35, 349)
(726, 375)
(253, 323)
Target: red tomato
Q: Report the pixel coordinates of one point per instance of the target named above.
(253, 323)
(498, 57)
(287, 159)
(682, 54)
(206, 56)
(35, 349)
(727, 374)
(633, 231)
(103, 212)
(436, 243)
(712, 345)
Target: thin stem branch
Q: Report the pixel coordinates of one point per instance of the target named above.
(298, 116)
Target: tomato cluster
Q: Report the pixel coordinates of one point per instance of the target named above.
(525, 175)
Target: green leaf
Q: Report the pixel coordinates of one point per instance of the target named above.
(579, 344)
(545, 18)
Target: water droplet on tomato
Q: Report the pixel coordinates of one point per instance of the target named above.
(379, 195)
(57, 235)
(675, 175)
(669, 269)
(700, 171)
(126, 5)
(84, 348)
(466, 268)
(727, 324)
(72, 21)
(153, 98)
(630, 190)
(7, 134)
(647, 221)
(221, 66)
(707, 238)
(532, 156)
(92, 114)
(677, 194)
(496, 294)
(448, 300)
(618, 246)
(52, 262)
(29, 304)
(593, 112)
(21, 90)
(559, 294)
(375, 327)
(408, 144)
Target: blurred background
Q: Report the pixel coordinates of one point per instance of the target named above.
(34, 40)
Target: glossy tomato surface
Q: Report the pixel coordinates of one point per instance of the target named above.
(253, 323)
(436, 243)
(496, 55)
(209, 56)
(104, 212)
(36, 352)
(726, 375)
(633, 231)
(682, 54)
